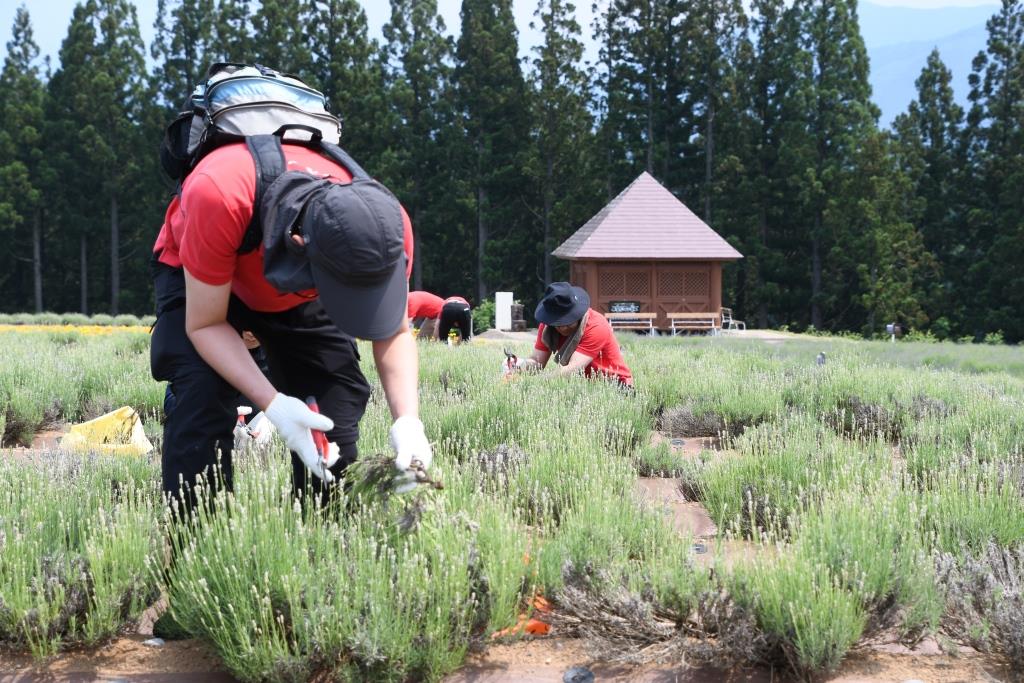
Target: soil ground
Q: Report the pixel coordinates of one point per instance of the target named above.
(531, 660)
(546, 660)
(122, 659)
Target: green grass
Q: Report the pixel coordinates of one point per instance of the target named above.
(856, 475)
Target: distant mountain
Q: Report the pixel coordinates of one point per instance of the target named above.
(885, 25)
(899, 40)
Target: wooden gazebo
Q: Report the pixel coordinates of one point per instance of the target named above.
(647, 252)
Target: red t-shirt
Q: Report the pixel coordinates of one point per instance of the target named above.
(204, 228)
(599, 343)
(425, 305)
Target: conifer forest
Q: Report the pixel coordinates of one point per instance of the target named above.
(757, 115)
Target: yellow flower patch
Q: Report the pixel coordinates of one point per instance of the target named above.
(86, 330)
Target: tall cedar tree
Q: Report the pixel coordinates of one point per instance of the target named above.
(347, 68)
(98, 93)
(646, 112)
(563, 165)
(22, 168)
(893, 268)
(839, 118)
(772, 141)
(609, 105)
(233, 32)
(714, 36)
(996, 216)
(418, 77)
(491, 98)
(280, 36)
(181, 48)
(929, 144)
(717, 33)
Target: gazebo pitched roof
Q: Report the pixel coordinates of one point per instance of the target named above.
(646, 221)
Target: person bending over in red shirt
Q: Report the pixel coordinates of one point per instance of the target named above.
(424, 310)
(580, 338)
(434, 317)
(208, 288)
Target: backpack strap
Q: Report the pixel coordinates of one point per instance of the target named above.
(341, 157)
(268, 157)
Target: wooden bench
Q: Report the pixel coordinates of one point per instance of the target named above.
(632, 321)
(693, 322)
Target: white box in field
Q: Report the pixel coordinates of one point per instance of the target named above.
(503, 311)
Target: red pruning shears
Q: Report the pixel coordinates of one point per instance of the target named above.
(511, 359)
(243, 411)
(319, 438)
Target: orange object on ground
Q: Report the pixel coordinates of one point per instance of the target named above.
(533, 626)
(536, 627)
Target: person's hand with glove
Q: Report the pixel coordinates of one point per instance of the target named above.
(410, 444)
(294, 420)
(509, 367)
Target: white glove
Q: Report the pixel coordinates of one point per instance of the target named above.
(410, 444)
(294, 420)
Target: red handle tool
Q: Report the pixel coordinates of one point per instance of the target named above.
(319, 438)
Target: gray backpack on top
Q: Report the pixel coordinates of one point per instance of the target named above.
(235, 101)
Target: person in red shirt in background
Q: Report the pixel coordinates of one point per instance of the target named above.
(581, 339)
(434, 317)
(207, 292)
(424, 310)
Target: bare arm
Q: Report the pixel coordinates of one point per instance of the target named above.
(398, 367)
(538, 360)
(206, 311)
(578, 362)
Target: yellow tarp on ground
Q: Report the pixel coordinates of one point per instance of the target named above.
(118, 433)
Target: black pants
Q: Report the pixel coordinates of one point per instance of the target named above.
(457, 315)
(307, 355)
(258, 355)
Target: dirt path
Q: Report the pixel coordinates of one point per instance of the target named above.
(531, 660)
(122, 659)
(545, 660)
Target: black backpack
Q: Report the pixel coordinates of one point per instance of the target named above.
(285, 199)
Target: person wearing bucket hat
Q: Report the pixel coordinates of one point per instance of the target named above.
(580, 338)
(333, 265)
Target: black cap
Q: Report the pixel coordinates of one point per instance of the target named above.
(563, 304)
(355, 243)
